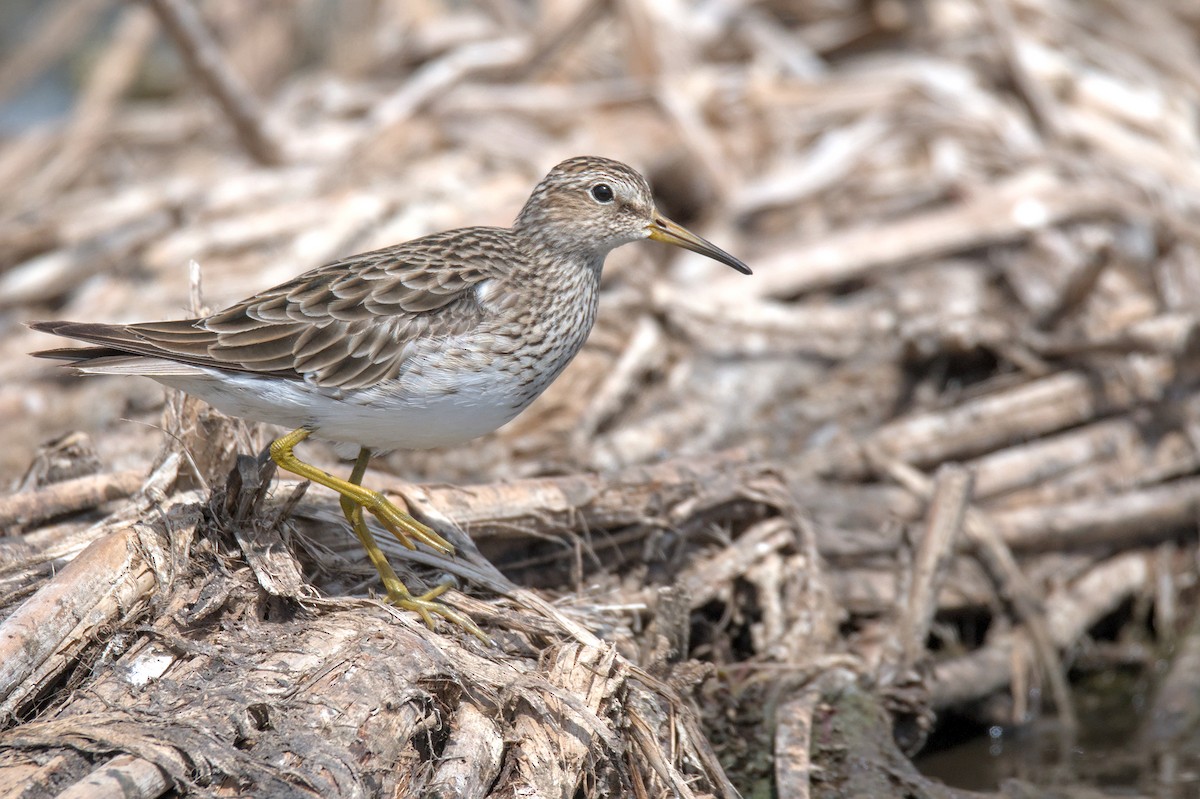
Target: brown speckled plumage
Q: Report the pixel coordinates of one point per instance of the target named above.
(403, 324)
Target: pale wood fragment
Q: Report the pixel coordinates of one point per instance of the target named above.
(578, 685)
(1127, 518)
(944, 522)
(123, 777)
(998, 419)
(793, 739)
(471, 760)
(1002, 213)
(106, 583)
(70, 496)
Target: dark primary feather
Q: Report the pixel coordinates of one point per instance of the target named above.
(348, 324)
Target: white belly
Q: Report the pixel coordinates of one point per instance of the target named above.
(380, 418)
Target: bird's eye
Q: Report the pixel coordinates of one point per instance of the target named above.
(602, 193)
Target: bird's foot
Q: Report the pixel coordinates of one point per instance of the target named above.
(427, 607)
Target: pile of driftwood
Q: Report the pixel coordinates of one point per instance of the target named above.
(760, 533)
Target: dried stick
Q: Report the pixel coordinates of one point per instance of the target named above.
(109, 580)
(57, 272)
(1080, 285)
(793, 740)
(123, 777)
(566, 35)
(437, 77)
(1069, 612)
(1040, 102)
(1043, 460)
(1011, 583)
(714, 575)
(947, 511)
(204, 58)
(997, 419)
(1130, 518)
(995, 555)
(69, 496)
(1005, 212)
(471, 760)
(580, 502)
(643, 350)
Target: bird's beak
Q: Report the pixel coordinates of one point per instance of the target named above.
(664, 230)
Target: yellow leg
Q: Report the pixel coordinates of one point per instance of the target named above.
(399, 523)
(352, 506)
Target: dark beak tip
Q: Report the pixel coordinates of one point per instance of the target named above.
(736, 264)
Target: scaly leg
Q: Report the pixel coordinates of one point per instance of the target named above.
(353, 503)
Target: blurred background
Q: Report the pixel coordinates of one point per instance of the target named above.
(974, 225)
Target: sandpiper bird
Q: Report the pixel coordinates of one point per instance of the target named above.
(425, 344)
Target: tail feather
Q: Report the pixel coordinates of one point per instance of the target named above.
(123, 341)
(78, 354)
(154, 348)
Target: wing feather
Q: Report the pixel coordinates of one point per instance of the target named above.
(349, 324)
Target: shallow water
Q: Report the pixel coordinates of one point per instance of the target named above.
(1110, 752)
